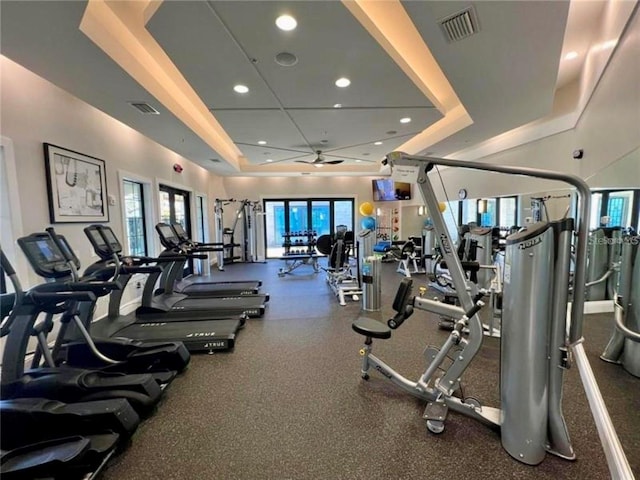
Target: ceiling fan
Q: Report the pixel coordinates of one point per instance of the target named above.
(320, 160)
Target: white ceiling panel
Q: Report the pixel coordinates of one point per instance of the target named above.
(199, 44)
(329, 43)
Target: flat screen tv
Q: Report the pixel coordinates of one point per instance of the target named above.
(386, 190)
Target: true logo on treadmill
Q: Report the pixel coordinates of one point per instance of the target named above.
(153, 324)
(530, 243)
(200, 334)
(215, 345)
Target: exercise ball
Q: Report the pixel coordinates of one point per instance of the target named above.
(368, 223)
(442, 207)
(366, 209)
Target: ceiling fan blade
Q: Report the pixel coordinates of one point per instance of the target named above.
(333, 162)
(304, 161)
(267, 147)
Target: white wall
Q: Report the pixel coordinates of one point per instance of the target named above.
(35, 111)
(258, 188)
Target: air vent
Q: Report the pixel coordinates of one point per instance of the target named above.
(460, 25)
(144, 108)
(215, 160)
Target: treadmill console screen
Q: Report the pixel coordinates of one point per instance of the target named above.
(101, 247)
(180, 231)
(111, 238)
(167, 236)
(44, 256)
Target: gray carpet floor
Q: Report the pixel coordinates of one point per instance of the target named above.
(288, 402)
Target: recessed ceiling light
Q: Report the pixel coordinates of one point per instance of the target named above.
(343, 82)
(571, 56)
(269, 160)
(337, 105)
(318, 165)
(377, 143)
(241, 89)
(405, 120)
(358, 161)
(286, 22)
(262, 142)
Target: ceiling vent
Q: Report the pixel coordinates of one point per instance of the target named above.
(460, 25)
(215, 160)
(144, 108)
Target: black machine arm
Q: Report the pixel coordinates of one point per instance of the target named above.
(402, 304)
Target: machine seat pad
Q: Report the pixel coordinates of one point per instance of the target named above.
(371, 328)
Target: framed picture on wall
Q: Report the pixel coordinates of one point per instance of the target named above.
(76, 185)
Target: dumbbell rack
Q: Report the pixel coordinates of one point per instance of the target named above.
(299, 249)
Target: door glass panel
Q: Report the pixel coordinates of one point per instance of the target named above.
(200, 219)
(165, 207)
(488, 217)
(343, 213)
(274, 227)
(594, 215)
(180, 206)
(508, 212)
(321, 217)
(451, 220)
(619, 209)
(298, 221)
(469, 211)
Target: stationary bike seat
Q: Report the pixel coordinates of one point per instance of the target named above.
(371, 328)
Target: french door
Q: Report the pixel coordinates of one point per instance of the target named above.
(174, 208)
(319, 215)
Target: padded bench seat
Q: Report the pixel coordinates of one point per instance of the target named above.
(371, 328)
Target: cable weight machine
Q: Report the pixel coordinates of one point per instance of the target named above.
(538, 340)
(241, 242)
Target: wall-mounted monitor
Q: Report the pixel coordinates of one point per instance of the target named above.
(386, 190)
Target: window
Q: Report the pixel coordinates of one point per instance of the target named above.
(10, 216)
(135, 228)
(507, 211)
(620, 206)
(451, 219)
(469, 211)
(488, 212)
(298, 215)
(201, 219)
(274, 227)
(594, 214)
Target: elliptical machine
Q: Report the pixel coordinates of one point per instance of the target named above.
(535, 346)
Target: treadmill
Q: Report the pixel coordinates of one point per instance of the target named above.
(199, 331)
(177, 239)
(165, 299)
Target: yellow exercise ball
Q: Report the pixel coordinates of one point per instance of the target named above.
(442, 207)
(366, 209)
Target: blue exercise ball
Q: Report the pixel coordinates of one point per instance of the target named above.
(368, 223)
